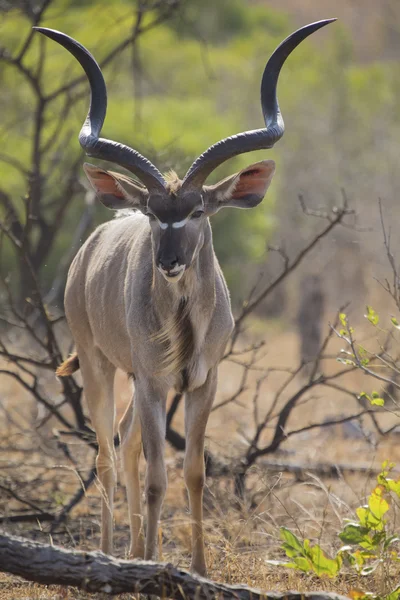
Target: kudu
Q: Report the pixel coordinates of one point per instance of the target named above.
(146, 294)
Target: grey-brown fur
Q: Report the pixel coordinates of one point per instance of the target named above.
(126, 311)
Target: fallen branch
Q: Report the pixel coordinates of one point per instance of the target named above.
(322, 470)
(97, 572)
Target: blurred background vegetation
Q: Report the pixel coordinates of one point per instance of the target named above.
(184, 74)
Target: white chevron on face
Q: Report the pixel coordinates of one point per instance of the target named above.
(175, 225)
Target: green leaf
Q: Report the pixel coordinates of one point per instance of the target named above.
(378, 506)
(395, 322)
(353, 533)
(374, 399)
(362, 514)
(377, 539)
(394, 486)
(322, 564)
(306, 557)
(372, 316)
(370, 547)
(303, 564)
(369, 520)
(343, 319)
(388, 466)
(346, 361)
(292, 545)
(377, 401)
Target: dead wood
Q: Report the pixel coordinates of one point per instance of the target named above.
(323, 470)
(97, 572)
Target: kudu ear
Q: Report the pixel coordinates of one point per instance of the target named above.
(116, 191)
(241, 190)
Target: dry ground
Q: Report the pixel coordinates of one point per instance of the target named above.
(239, 537)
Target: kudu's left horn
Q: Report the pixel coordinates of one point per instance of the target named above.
(260, 138)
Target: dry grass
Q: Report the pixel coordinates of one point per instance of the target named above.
(239, 537)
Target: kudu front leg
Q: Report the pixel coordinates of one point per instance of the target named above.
(197, 409)
(98, 385)
(131, 447)
(151, 407)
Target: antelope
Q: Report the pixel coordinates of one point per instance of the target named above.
(145, 294)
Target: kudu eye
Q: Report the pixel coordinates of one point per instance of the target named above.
(197, 214)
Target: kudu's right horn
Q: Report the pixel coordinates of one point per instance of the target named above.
(89, 135)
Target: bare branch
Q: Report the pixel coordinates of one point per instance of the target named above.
(249, 307)
(16, 496)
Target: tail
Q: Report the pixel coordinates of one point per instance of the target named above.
(69, 366)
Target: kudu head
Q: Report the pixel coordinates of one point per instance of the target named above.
(178, 209)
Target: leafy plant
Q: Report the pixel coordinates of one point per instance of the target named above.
(305, 557)
(372, 363)
(369, 543)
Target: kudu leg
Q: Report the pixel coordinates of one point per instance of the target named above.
(98, 384)
(151, 407)
(197, 409)
(131, 447)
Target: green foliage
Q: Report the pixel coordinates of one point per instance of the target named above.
(381, 365)
(395, 322)
(369, 544)
(199, 81)
(346, 329)
(374, 399)
(220, 21)
(159, 118)
(372, 316)
(306, 557)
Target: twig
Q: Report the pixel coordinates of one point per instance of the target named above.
(249, 307)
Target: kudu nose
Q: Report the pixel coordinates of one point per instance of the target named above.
(168, 263)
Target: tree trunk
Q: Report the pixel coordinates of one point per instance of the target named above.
(97, 572)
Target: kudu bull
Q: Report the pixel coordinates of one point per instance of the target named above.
(146, 294)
